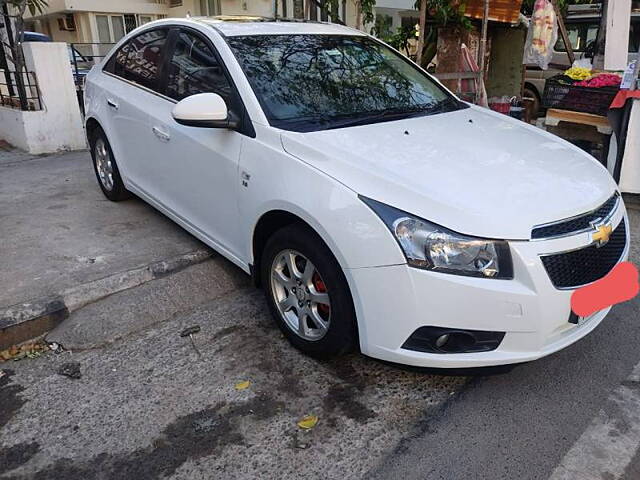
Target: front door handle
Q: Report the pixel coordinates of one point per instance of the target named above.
(112, 104)
(164, 136)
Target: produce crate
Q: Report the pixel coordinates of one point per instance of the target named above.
(578, 99)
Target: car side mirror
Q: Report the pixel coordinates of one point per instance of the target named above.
(207, 110)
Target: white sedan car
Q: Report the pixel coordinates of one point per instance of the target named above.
(375, 209)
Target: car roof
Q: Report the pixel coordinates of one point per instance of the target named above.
(232, 26)
(36, 37)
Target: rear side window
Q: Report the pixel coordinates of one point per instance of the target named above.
(140, 58)
(194, 68)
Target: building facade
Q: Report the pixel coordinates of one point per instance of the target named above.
(106, 21)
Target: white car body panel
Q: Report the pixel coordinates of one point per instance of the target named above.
(433, 167)
(473, 171)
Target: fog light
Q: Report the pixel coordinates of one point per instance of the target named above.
(452, 340)
(442, 340)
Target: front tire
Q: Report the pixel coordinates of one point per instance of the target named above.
(106, 168)
(307, 293)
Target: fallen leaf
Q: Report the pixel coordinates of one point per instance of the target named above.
(243, 385)
(308, 422)
(27, 350)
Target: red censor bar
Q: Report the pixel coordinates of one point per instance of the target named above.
(620, 285)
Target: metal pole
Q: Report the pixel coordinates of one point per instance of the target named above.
(7, 26)
(483, 48)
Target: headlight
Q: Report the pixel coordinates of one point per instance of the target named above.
(432, 247)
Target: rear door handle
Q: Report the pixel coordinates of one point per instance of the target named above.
(112, 104)
(164, 136)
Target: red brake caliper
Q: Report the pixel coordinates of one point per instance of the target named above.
(320, 288)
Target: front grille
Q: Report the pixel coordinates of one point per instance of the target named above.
(580, 267)
(576, 224)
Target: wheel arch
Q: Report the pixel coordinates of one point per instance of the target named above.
(91, 126)
(269, 223)
(277, 218)
(534, 89)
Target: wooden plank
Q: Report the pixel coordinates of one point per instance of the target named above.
(555, 116)
(563, 33)
(457, 75)
(506, 11)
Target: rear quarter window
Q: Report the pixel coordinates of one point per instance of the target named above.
(139, 59)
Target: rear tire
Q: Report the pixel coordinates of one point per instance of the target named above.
(307, 293)
(106, 168)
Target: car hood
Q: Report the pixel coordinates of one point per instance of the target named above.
(474, 171)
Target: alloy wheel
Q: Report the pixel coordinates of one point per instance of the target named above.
(104, 164)
(300, 295)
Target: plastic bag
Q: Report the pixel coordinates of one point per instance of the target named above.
(542, 35)
(583, 63)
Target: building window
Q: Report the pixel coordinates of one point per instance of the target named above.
(209, 8)
(383, 25)
(130, 22)
(410, 22)
(175, 3)
(110, 28)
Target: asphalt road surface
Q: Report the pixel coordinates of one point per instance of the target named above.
(148, 405)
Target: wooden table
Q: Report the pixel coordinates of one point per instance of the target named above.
(582, 127)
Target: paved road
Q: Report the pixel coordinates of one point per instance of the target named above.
(148, 406)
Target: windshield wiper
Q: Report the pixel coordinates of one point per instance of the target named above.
(330, 122)
(446, 105)
(379, 116)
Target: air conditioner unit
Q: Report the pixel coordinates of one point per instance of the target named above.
(67, 23)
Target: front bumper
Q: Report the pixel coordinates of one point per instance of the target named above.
(394, 301)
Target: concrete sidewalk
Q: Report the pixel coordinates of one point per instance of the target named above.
(65, 245)
(59, 231)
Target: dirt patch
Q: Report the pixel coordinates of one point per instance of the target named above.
(344, 398)
(10, 400)
(12, 457)
(200, 434)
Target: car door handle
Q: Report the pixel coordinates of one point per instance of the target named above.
(112, 104)
(164, 136)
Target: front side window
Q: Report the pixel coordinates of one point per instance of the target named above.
(194, 69)
(316, 82)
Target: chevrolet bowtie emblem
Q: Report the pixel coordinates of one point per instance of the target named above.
(602, 234)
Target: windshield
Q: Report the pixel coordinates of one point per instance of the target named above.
(316, 82)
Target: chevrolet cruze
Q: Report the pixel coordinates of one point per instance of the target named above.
(375, 209)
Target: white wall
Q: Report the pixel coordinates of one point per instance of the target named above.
(617, 41)
(630, 173)
(58, 126)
